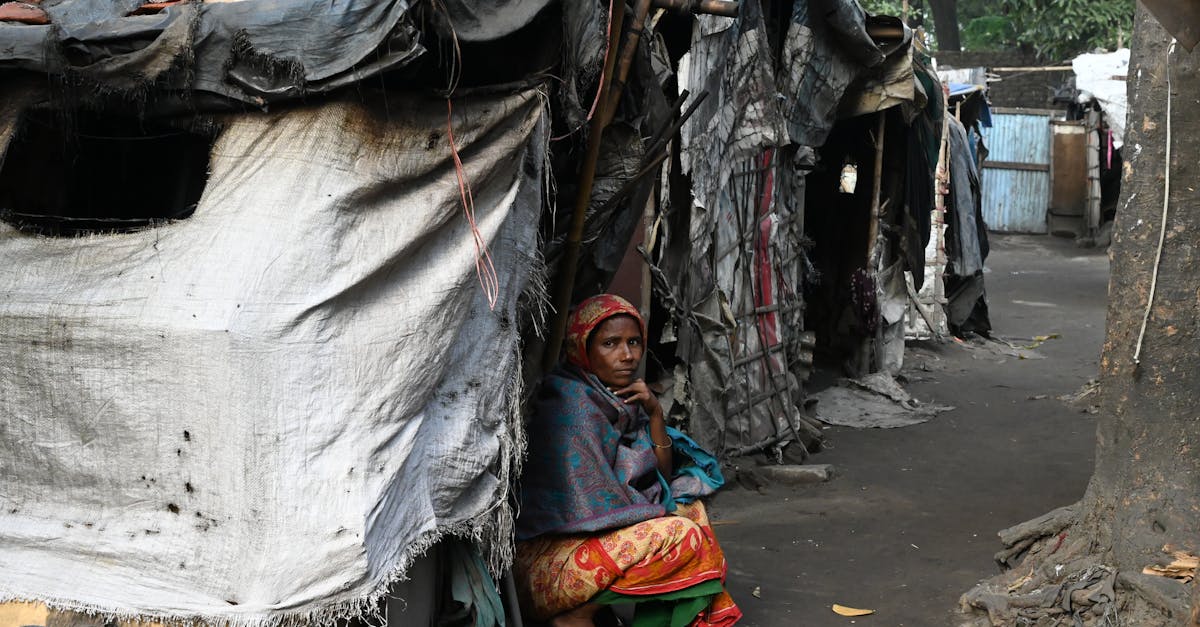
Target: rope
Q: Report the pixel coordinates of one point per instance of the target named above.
(485, 270)
(1162, 230)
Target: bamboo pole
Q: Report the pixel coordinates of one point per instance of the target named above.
(873, 243)
(612, 82)
(876, 191)
(941, 181)
(1036, 68)
(628, 52)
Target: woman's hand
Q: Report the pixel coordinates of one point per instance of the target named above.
(638, 392)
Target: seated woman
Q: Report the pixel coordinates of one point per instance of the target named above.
(607, 516)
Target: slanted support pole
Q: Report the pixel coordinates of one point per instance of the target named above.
(612, 83)
(874, 244)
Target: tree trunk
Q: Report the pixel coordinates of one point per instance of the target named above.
(1145, 492)
(1147, 480)
(945, 24)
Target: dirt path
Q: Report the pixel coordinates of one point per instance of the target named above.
(909, 522)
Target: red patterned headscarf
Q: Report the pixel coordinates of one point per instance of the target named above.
(587, 316)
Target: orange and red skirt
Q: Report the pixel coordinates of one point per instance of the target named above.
(656, 561)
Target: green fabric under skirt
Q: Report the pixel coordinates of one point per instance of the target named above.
(670, 609)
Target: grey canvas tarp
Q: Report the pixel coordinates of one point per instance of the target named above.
(265, 412)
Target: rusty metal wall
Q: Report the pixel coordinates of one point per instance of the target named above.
(1016, 174)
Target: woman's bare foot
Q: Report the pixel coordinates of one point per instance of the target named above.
(578, 617)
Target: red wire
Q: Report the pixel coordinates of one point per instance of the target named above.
(599, 83)
(607, 42)
(485, 270)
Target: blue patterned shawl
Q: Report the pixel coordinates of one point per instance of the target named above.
(591, 463)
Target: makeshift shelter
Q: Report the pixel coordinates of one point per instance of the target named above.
(270, 408)
(1086, 158)
(248, 371)
(966, 236)
(261, 392)
(736, 257)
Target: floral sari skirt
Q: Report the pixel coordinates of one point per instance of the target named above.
(671, 567)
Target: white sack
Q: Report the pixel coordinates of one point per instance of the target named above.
(263, 413)
(1102, 76)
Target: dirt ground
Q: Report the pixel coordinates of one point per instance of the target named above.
(909, 521)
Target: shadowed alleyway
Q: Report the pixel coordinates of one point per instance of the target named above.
(909, 521)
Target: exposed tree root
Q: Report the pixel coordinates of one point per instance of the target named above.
(1054, 575)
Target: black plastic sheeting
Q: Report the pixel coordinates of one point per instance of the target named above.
(827, 48)
(924, 141)
(262, 51)
(254, 52)
(487, 21)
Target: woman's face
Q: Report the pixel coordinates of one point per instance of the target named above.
(614, 351)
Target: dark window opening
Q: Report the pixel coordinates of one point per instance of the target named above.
(68, 176)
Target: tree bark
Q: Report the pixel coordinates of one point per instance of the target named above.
(1146, 488)
(1145, 491)
(945, 24)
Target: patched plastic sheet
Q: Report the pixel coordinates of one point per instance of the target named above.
(826, 49)
(264, 413)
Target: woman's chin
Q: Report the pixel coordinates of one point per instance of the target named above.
(618, 381)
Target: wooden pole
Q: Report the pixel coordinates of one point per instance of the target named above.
(628, 52)
(612, 83)
(873, 243)
(1036, 68)
(876, 191)
(941, 182)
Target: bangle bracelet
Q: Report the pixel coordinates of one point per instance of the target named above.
(657, 445)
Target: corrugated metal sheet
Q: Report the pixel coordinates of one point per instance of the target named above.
(1016, 175)
(1014, 201)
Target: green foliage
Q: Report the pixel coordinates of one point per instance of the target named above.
(1056, 29)
(917, 13)
(988, 32)
(1060, 29)
(971, 9)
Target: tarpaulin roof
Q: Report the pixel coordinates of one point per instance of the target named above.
(962, 89)
(1102, 77)
(254, 52)
(263, 51)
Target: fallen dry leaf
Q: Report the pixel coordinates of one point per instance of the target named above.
(1016, 585)
(842, 610)
(1183, 567)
